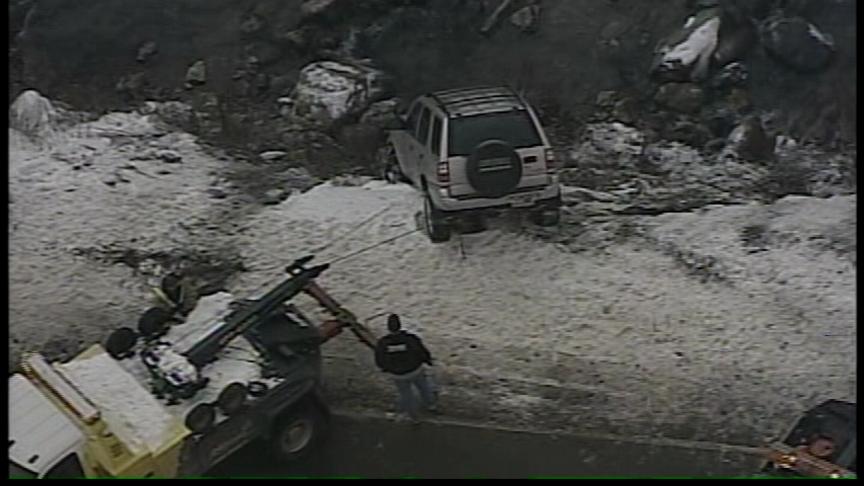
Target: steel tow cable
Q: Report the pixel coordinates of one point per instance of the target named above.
(353, 229)
(370, 247)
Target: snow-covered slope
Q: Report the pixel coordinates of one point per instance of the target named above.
(677, 329)
(629, 337)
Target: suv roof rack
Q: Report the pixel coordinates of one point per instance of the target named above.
(458, 102)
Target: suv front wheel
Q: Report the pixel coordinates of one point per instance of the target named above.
(436, 224)
(389, 164)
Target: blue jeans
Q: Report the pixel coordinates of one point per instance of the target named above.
(415, 391)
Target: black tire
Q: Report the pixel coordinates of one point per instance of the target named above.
(547, 217)
(436, 226)
(298, 432)
(232, 398)
(201, 418)
(494, 169)
(153, 322)
(120, 342)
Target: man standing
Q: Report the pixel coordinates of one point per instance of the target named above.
(403, 355)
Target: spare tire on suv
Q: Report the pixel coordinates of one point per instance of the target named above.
(494, 168)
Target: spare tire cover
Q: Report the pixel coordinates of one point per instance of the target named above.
(494, 168)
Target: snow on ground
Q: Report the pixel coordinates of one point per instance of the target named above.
(85, 190)
(716, 325)
(634, 342)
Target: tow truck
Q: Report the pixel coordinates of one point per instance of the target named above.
(175, 400)
(820, 443)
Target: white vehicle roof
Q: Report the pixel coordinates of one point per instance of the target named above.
(40, 434)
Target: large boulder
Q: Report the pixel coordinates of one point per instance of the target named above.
(748, 141)
(687, 54)
(797, 43)
(736, 40)
(33, 114)
(196, 75)
(328, 91)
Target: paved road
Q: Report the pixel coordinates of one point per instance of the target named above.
(380, 448)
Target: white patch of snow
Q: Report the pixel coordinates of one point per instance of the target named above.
(511, 293)
(697, 48)
(208, 313)
(133, 414)
(689, 22)
(820, 36)
(63, 184)
(327, 203)
(334, 89)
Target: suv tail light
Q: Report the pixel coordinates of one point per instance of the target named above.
(550, 161)
(444, 172)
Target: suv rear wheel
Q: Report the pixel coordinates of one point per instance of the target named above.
(436, 226)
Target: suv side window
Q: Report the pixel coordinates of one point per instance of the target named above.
(413, 117)
(422, 133)
(435, 140)
(69, 467)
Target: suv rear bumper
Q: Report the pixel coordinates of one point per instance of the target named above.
(549, 196)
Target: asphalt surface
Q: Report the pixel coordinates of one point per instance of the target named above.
(366, 447)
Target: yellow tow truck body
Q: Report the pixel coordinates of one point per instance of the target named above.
(42, 390)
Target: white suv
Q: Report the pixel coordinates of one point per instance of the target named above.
(473, 151)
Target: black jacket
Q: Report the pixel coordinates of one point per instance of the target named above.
(400, 353)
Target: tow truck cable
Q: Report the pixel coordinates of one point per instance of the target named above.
(371, 247)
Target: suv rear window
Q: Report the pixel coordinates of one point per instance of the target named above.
(513, 127)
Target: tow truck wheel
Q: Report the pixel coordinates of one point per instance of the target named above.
(201, 418)
(153, 322)
(298, 432)
(120, 342)
(232, 398)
